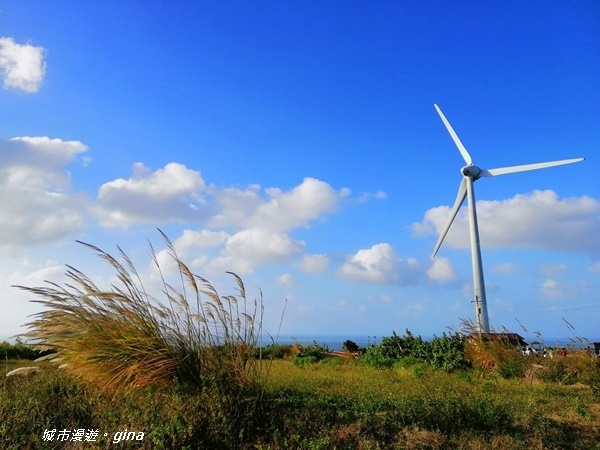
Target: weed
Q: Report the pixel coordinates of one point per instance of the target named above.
(418, 371)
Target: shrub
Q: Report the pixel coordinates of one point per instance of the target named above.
(333, 361)
(448, 352)
(350, 346)
(314, 350)
(304, 361)
(20, 350)
(513, 368)
(274, 351)
(376, 356)
(557, 371)
(408, 345)
(418, 371)
(393, 349)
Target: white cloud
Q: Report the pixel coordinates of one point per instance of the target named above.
(595, 268)
(34, 191)
(551, 289)
(280, 211)
(52, 271)
(18, 301)
(264, 224)
(235, 205)
(171, 194)
(22, 66)
(379, 195)
(288, 210)
(314, 263)
(555, 290)
(248, 248)
(178, 194)
(41, 151)
(441, 270)
(202, 238)
(379, 264)
(184, 245)
(539, 219)
(286, 279)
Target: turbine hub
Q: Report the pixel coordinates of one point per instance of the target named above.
(471, 171)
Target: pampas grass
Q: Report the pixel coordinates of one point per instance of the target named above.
(125, 338)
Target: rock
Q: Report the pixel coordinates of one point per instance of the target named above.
(23, 371)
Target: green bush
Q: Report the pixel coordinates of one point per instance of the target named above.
(20, 350)
(315, 350)
(304, 361)
(333, 361)
(406, 362)
(513, 368)
(448, 352)
(350, 346)
(378, 357)
(274, 351)
(418, 371)
(445, 353)
(558, 372)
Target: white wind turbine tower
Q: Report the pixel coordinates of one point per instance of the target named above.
(472, 173)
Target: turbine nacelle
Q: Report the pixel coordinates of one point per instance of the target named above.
(471, 171)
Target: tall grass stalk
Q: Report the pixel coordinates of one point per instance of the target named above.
(125, 338)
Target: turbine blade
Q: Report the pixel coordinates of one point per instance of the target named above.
(526, 167)
(460, 198)
(461, 148)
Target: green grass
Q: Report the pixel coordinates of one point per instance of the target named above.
(390, 407)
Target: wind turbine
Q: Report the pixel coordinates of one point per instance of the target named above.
(470, 174)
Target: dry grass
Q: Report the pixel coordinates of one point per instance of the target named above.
(488, 356)
(125, 338)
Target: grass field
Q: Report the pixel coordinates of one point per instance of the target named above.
(349, 406)
(334, 404)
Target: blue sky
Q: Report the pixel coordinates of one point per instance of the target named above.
(296, 144)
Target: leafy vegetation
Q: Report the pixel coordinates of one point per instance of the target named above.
(310, 354)
(350, 346)
(20, 350)
(445, 353)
